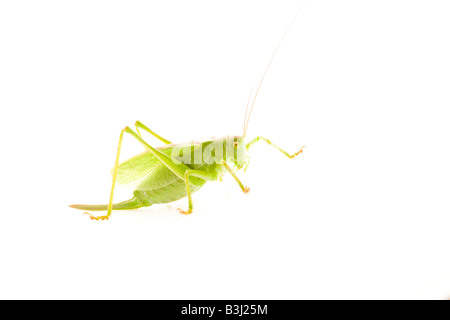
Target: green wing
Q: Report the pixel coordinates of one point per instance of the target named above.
(137, 169)
(159, 177)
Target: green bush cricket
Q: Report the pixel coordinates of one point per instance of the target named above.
(174, 171)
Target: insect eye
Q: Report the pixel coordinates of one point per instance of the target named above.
(235, 144)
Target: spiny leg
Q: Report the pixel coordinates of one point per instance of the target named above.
(116, 166)
(195, 173)
(144, 127)
(179, 169)
(243, 188)
(191, 177)
(251, 143)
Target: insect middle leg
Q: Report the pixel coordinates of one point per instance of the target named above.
(233, 174)
(251, 143)
(194, 173)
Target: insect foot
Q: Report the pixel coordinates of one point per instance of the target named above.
(297, 153)
(184, 212)
(246, 190)
(97, 218)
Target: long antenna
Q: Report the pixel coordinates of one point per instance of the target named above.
(267, 68)
(246, 108)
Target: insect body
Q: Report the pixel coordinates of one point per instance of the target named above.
(174, 171)
(171, 172)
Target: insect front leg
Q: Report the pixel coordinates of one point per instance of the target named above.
(194, 173)
(243, 188)
(251, 143)
(142, 126)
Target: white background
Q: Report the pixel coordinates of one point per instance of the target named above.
(363, 213)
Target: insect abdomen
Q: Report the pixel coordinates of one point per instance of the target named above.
(171, 192)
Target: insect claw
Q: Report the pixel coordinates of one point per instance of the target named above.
(90, 215)
(184, 212)
(97, 218)
(297, 153)
(246, 190)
